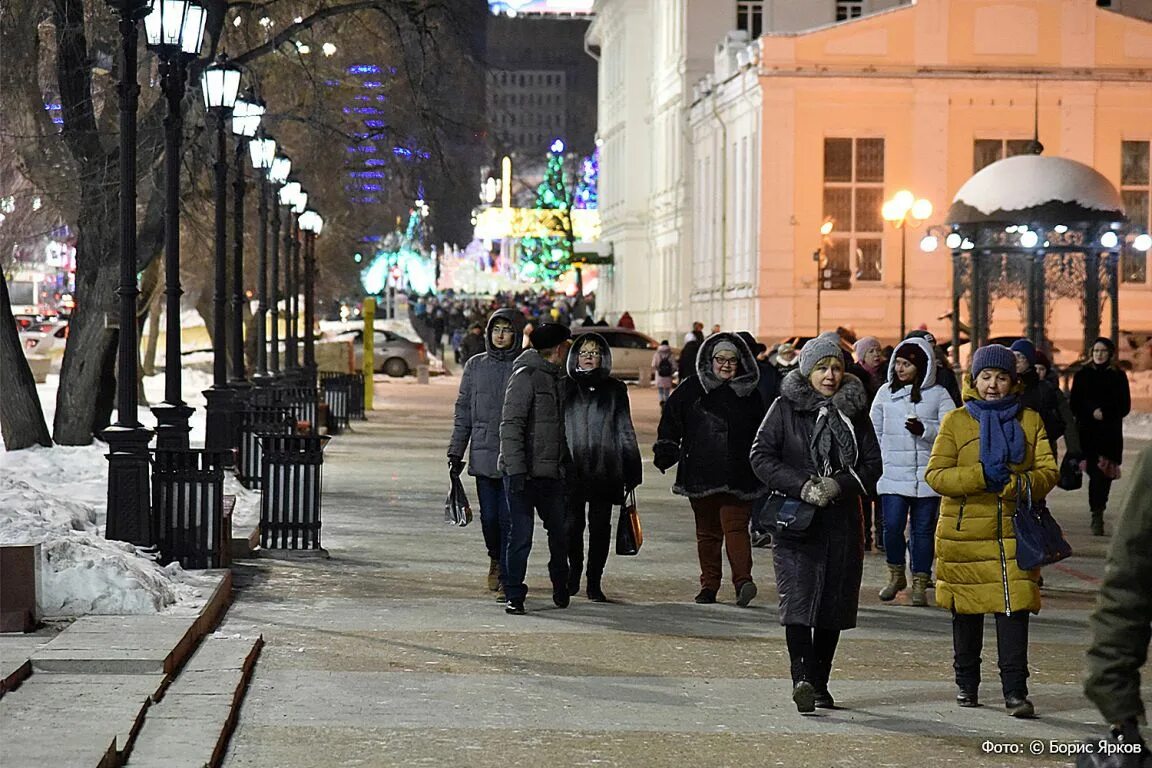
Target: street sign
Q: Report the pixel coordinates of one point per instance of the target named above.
(835, 279)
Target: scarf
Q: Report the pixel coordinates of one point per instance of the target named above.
(833, 438)
(1001, 437)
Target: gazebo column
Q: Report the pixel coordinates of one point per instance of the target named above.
(1114, 297)
(980, 298)
(1091, 298)
(957, 294)
(1037, 299)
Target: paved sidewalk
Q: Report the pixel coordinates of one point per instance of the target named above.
(392, 652)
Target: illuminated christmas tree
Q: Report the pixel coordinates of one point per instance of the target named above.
(544, 259)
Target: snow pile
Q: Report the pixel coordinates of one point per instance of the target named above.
(1027, 181)
(55, 497)
(1138, 426)
(246, 513)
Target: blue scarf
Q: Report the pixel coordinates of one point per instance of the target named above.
(1001, 438)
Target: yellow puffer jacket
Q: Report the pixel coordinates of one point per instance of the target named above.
(976, 568)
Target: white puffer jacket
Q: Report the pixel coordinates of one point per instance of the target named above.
(906, 455)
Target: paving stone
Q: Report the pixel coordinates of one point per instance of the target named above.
(15, 652)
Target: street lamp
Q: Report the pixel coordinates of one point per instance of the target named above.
(175, 30)
(277, 174)
(288, 194)
(129, 503)
(902, 211)
(220, 83)
(298, 206)
(311, 223)
(246, 117)
(821, 261)
(263, 152)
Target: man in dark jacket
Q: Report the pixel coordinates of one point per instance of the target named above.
(687, 363)
(605, 456)
(474, 342)
(707, 426)
(477, 422)
(1122, 622)
(1044, 398)
(533, 457)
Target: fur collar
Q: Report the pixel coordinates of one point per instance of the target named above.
(851, 399)
(747, 376)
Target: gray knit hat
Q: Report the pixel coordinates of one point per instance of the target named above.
(825, 345)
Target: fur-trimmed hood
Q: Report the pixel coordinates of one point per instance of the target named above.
(747, 373)
(596, 374)
(517, 320)
(851, 399)
(927, 378)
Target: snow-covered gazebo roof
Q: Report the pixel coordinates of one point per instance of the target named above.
(1034, 188)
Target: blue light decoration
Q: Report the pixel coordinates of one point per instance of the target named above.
(406, 252)
(587, 191)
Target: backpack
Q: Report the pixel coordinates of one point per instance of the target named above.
(664, 368)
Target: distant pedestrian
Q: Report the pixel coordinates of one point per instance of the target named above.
(1045, 398)
(817, 445)
(1122, 621)
(476, 429)
(626, 321)
(696, 333)
(686, 366)
(906, 416)
(715, 328)
(605, 457)
(664, 364)
(707, 426)
(986, 453)
(534, 457)
(1100, 400)
(785, 358)
(868, 367)
(474, 342)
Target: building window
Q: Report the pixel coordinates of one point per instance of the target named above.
(1135, 191)
(849, 9)
(853, 196)
(750, 17)
(987, 151)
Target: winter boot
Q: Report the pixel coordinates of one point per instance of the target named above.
(494, 575)
(1097, 522)
(919, 589)
(896, 582)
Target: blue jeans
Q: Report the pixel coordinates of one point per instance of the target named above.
(495, 520)
(545, 496)
(923, 512)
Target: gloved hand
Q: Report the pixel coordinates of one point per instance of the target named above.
(516, 483)
(915, 426)
(664, 456)
(455, 466)
(820, 491)
(996, 476)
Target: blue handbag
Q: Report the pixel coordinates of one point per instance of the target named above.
(1039, 539)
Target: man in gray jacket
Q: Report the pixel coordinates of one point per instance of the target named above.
(533, 454)
(478, 408)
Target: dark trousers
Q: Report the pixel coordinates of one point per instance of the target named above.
(811, 650)
(543, 496)
(722, 520)
(1099, 485)
(495, 520)
(1011, 650)
(599, 520)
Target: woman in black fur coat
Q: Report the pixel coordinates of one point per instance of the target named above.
(605, 456)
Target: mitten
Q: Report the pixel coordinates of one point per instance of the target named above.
(996, 476)
(665, 455)
(820, 491)
(915, 426)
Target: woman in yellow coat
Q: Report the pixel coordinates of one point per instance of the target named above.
(984, 452)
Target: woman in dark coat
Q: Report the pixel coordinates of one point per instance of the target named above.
(707, 426)
(605, 456)
(1100, 400)
(817, 445)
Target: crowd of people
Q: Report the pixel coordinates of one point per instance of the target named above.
(817, 451)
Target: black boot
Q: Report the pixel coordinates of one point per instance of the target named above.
(1097, 522)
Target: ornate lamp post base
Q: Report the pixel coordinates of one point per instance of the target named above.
(129, 500)
(221, 415)
(172, 425)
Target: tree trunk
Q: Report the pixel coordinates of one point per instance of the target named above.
(153, 334)
(21, 418)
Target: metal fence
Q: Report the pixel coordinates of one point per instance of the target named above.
(290, 504)
(356, 401)
(188, 507)
(255, 421)
(337, 389)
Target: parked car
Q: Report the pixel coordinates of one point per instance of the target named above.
(45, 339)
(631, 350)
(391, 353)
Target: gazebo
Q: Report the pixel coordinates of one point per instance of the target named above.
(1036, 229)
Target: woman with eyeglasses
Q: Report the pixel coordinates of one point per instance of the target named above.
(605, 457)
(707, 426)
(1100, 400)
(817, 446)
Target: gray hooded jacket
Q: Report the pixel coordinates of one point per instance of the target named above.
(532, 439)
(481, 399)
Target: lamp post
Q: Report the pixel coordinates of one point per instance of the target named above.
(902, 211)
(246, 117)
(299, 206)
(175, 30)
(263, 150)
(288, 199)
(129, 508)
(278, 175)
(821, 260)
(311, 223)
(220, 83)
